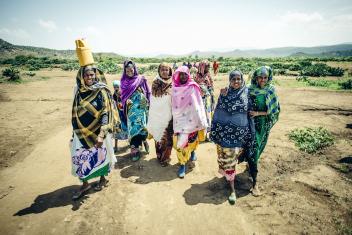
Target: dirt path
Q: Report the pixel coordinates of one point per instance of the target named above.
(302, 193)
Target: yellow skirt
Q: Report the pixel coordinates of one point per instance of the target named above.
(183, 155)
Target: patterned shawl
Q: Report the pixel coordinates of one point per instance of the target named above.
(187, 107)
(231, 126)
(90, 104)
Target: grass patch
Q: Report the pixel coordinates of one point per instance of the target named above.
(310, 140)
(345, 84)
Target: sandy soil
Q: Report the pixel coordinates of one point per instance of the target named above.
(304, 194)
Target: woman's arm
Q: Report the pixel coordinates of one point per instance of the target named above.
(257, 113)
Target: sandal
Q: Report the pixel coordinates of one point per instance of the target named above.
(232, 198)
(136, 156)
(81, 192)
(146, 146)
(100, 185)
(255, 192)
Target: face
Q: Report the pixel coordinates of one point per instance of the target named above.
(236, 81)
(262, 80)
(183, 77)
(89, 77)
(130, 71)
(206, 68)
(117, 89)
(164, 72)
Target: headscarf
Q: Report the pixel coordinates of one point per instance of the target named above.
(98, 82)
(271, 99)
(165, 65)
(130, 84)
(201, 67)
(116, 83)
(161, 86)
(89, 104)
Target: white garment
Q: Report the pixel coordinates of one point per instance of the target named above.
(107, 143)
(159, 115)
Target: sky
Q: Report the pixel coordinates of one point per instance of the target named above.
(149, 28)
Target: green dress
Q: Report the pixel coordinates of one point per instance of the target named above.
(263, 124)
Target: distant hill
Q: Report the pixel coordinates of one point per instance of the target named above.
(8, 50)
(333, 50)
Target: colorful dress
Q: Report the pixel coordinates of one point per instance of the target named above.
(136, 90)
(93, 113)
(232, 129)
(189, 119)
(264, 100)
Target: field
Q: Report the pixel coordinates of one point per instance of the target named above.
(304, 193)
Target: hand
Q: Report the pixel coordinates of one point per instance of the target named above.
(223, 91)
(253, 113)
(100, 141)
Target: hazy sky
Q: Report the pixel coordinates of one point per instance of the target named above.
(136, 27)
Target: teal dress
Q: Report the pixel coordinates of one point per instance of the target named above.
(137, 115)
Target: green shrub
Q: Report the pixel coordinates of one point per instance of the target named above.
(319, 82)
(311, 140)
(12, 74)
(153, 67)
(302, 78)
(346, 84)
(320, 69)
(142, 70)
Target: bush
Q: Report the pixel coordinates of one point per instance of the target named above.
(302, 78)
(319, 82)
(153, 67)
(311, 140)
(12, 74)
(346, 85)
(280, 72)
(320, 69)
(294, 67)
(142, 70)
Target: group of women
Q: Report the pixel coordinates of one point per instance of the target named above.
(177, 112)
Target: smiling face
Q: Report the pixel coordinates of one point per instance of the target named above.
(262, 80)
(89, 77)
(183, 77)
(164, 72)
(130, 71)
(236, 81)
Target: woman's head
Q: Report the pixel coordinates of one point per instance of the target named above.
(116, 85)
(129, 69)
(236, 79)
(262, 76)
(183, 77)
(89, 75)
(165, 71)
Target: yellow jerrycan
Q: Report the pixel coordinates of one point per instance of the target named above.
(84, 53)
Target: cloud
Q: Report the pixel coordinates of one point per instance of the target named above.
(300, 17)
(14, 33)
(49, 25)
